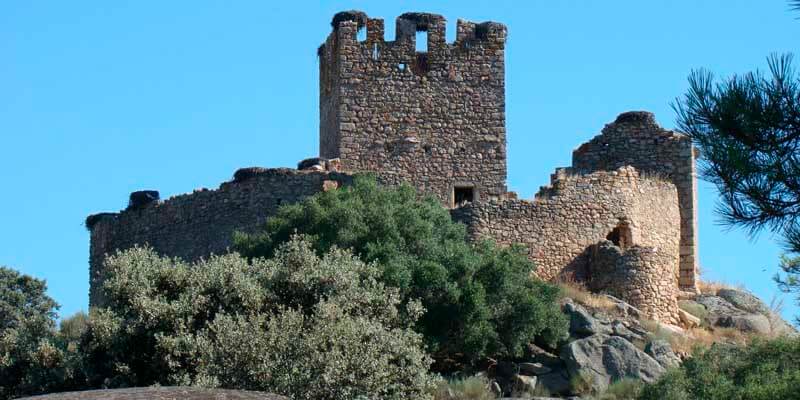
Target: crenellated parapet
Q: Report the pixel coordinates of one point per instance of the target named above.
(474, 41)
(434, 119)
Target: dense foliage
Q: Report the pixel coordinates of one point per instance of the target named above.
(480, 299)
(763, 370)
(34, 356)
(295, 324)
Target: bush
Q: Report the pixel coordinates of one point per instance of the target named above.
(762, 370)
(694, 308)
(73, 327)
(297, 324)
(472, 388)
(480, 299)
(623, 389)
(33, 357)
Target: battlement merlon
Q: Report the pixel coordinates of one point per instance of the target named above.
(470, 36)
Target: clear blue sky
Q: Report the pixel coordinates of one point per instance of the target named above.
(98, 99)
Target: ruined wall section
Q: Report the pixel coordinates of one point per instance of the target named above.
(194, 225)
(636, 275)
(576, 212)
(562, 226)
(434, 119)
(635, 139)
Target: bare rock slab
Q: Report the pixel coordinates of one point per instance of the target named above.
(602, 359)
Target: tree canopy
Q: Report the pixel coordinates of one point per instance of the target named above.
(480, 299)
(298, 324)
(747, 129)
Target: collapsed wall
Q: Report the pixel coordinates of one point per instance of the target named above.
(637, 275)
(195, 225)
(635, 139)
(561, 226)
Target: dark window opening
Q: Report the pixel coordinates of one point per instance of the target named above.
(621, 236)
(482, 31)
(421, 41)
(420, 65)
(463, 195)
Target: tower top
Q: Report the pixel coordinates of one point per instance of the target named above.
(347, 24)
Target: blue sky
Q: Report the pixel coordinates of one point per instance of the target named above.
(98, 99)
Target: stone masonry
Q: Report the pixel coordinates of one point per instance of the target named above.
(435, 119)
(635, 139)
(564, 224)
(621, 219)
(195, 225)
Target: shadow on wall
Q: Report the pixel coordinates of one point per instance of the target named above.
(625, 270)
(580, 269)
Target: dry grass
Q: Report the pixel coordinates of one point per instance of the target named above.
(711, 287)
(774, 316)
(706, 337)
(473, 388)
(583, 296)
(684, 344)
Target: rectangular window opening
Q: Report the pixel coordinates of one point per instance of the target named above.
(463, 195)
(422, 42)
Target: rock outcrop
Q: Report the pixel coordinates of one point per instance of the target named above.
(602, 359)
(613, 341)
(741, 310)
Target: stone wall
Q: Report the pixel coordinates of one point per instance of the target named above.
(195, 225)
(434, 119)
(567, 218)
(637, 275)
(635, 139)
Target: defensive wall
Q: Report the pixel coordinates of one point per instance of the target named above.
(195, 225)
(621, 219)
(565, 222)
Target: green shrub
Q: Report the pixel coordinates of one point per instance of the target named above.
(480, 299)
(472, 388)
(581, 383)
(623, 389)
(762, 370)
(694, 308)
(73, 327)
(34, 358)
(296, 324)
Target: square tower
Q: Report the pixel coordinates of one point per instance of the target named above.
(434, 119)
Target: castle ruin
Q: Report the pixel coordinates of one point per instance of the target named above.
(621, 219)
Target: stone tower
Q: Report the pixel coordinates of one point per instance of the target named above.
(434, 118)
(636, 140)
